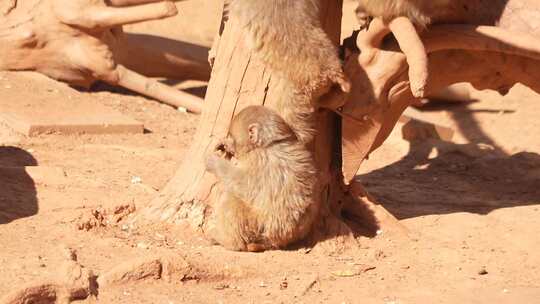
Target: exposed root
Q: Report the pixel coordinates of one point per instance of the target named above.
(72, 282)
(413, 48)
(165, 94)
(410, 43)
(88, 45)
(364, 209)
(370, 41)
(94, 16)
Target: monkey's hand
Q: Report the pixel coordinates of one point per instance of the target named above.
(223, 149)
(217, 163)
(212, 162)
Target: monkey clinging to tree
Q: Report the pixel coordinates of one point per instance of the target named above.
(288, 36)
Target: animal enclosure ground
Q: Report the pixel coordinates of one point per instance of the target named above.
(473, 212)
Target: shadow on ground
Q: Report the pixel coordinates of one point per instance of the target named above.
(438, 177)
(17, 189)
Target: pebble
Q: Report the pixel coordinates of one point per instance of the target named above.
(482, 271)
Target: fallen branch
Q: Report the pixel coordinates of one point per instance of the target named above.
(163, 93)
(81, 41)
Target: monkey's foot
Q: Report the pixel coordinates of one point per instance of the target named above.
(255, 247)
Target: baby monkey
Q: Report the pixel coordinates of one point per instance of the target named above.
(402, 18)
(269, 182)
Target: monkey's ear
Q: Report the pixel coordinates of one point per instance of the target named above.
(253, 131)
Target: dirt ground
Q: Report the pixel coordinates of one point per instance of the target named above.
(472, 206)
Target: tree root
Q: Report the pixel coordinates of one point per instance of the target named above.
(72, 282)
(409, 42)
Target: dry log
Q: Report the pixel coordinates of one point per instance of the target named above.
(81, 41)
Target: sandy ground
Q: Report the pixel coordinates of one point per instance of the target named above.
(472, 207)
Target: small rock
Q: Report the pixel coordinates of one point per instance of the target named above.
(482, 271)
(69, 254)
(143, 245)
(346, 273)
(221, 286)
(136, 180)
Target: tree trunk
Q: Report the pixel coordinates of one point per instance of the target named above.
(238, 80)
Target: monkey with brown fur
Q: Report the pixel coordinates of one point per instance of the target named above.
(288, 36)
(269, 195)
(403, 18)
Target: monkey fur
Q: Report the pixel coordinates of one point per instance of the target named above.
(269, 195)
(288, 36)
(419, 12)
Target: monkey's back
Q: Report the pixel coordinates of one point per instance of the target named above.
(285, 193)
(288, 36)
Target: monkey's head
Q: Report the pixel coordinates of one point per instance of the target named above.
(255, 127)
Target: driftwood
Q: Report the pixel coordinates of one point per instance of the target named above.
(81, 41)
(487, 56)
